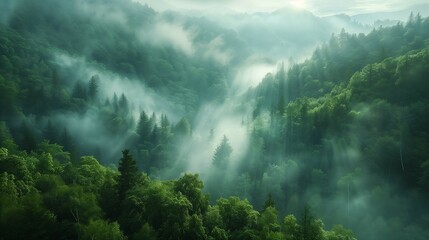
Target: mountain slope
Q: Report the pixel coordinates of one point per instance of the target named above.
(357, 143)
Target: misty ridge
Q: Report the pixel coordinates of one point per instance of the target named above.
(126, 119)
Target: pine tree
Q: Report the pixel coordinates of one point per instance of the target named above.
(165, 128)
(93, 88)
(183, 128)
(222, 153)
(311, 228)
(128, 174)
(50, 132)
(28, 140)
(269, 202)
(281, 76)
(155, 135)
(144, 127)
(67, 141)
(124, 108)
(79, 91)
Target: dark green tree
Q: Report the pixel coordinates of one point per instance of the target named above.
(128, 174)
(269, 202)
(4, 133)
(50, 132)
(93, 87)
(28, 139)
(311, 228)
(144, 127)
(67, 141)
(79, 91)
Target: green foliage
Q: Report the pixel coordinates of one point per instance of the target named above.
(9, 192)
(268, 221)
(4, 133)
(100, 229)
(86, 205)
(146, 232)
(236, 214)
(15, 165)
(196, 229)
(191, 187)
(72, 204)
(18, 219)
(91, 173)
(338, 232)
(219, 233)
(291, 227)
(46, 164)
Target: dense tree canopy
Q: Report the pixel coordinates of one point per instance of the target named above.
(152, 209)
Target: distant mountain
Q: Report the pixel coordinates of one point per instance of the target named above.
(284, 33)
(391, 18)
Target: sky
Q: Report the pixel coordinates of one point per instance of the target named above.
(319, 7)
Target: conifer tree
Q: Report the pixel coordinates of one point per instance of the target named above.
(222, 153)
(128, 174)
(93, 87)
(144, 127)
(269, 202)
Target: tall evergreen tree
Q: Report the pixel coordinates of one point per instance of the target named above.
(128, 174)
(222, 153)
(311, 228)
(93, 87)
(281, 76)
(144, 127)
(124, 107)
(183, 128)
(269, 202)
(79, 91)
(28, 140)
(50, 132)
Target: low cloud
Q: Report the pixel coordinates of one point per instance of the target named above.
(214, 51)
(140, 96)
(174, 35)
(103, 12)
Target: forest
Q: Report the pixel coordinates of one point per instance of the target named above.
(121, 122)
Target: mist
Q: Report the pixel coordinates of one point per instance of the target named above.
(313, 98)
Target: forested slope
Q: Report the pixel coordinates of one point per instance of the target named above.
(349, 125)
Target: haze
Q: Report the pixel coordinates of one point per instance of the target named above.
(319, 7)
